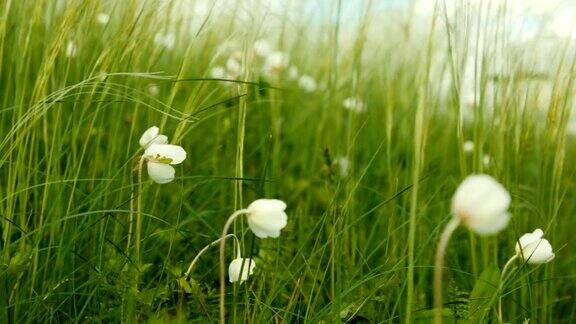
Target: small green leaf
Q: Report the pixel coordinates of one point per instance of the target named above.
(483, 294)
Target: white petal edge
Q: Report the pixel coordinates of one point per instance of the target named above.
(174, 152)
(160, 172)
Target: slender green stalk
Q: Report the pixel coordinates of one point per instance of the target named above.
(502, 279)
(206, 248)
(139, 216)
(439, 265)
(229, 222)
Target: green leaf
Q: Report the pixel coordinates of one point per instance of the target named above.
(483, 294)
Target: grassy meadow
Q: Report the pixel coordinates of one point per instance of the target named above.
(364, 120)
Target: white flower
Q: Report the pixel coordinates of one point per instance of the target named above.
(262, 48)
(166, 40)
(293, 72)
(534, 249)
(307, 83)
(153, 89)
(71, 49)
(234, 67)
(275, 61)
(103, 18)
(481, 203)
(218, 72)
(354, 104)
(240, 269)
(468, 147)
(160, 158)
(152, 136)
(486, 160)
(343, 163)
(266, 217)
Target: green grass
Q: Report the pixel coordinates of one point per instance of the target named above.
(357, 246)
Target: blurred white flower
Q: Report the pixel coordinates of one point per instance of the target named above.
(354, 104)
(71, 49)
(468, 147)
(152, 136)
(262, 48)
(266, 217)
(234, 67)
(275, 62)
(486, 160)
(166, 40)
(103, 18)
(240, 269)
(481, 203)
(534, 249)
(160, 158)
(307, 83)
(343, 164)
(293, 73)
(218, 72)
(153, 89)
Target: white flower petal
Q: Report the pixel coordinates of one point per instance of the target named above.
(481, 203)
(160, 172)
(529, 238)
(148, 136)
(160, 152)
(266, 217)
(534, 249)
(240, 268)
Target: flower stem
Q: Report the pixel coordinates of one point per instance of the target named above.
(139, 214)
(229, 222)
(439, 265)
(197, 257)
(502, 279)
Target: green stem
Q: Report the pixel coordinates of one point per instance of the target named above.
(439, 265)
(197, 257)
(502, 279)
(229, 222)
(139, 214)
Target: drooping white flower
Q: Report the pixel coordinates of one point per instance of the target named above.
(481, 203)
(262, 48)
(354, 104)
(103, 18)
(534, 249)
(160, 158)
(307, 83)
(152, 136)
(266, 217)
(468, 147)
(71, 49)
(240, 268)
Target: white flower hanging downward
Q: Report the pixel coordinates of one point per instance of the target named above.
(534, 249)
(240, 268)
(481, 204)
(266, 217)
(531, 248)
